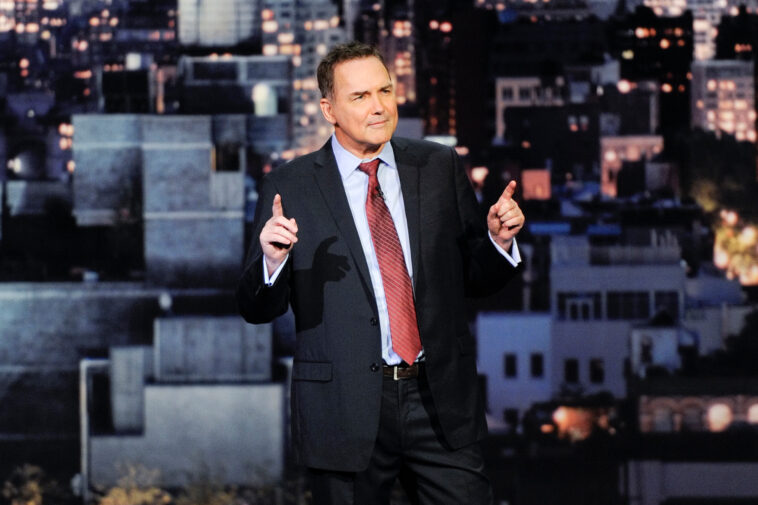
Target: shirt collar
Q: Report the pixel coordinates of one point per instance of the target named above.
(347, 162)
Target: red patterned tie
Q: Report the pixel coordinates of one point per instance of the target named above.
(397, 284)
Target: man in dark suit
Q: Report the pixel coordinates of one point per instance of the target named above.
(375, 242)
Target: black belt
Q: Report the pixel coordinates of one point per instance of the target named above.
(397, 372)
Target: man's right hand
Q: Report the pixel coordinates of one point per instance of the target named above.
(277, 236)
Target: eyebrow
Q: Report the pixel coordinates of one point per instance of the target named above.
(363, 92)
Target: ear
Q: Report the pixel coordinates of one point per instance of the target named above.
(326, 110)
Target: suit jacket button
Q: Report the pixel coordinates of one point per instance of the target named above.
(374, 367)
(374, 321)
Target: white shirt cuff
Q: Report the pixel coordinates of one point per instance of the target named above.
(514, 258)
(270, 280)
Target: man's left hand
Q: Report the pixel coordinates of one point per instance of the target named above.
(505, 218)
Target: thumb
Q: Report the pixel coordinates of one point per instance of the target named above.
(276, 209)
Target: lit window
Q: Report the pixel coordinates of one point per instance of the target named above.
(286, 38)
(752, 414)
(719, 417)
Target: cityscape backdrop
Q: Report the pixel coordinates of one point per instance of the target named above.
(620, 368)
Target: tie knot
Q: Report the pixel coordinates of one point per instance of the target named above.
(369, 167)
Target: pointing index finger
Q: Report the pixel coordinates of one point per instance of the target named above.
(510, 189)
(276, 208)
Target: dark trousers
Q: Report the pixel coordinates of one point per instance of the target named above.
(409, 447)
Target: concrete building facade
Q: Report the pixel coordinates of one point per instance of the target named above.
(597, 294)
(166, 172)
(197, 404)
(515, 356)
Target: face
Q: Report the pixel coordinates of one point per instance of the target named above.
(362, 109)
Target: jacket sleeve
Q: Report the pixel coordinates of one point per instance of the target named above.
(256, 302)
(487, 271)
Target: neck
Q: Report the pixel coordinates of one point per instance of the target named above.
(361, 151)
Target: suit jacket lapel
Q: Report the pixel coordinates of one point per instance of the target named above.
(330, 184)
(408, 170)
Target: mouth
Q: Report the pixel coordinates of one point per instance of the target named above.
(377, 124)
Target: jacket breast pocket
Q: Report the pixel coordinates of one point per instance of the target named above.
(318, 371)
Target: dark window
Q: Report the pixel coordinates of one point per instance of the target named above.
(228, 158)
(597, 371)
(525, 93)
(510, 416)
(537, 365)
(508, 93)
(628, 305)
(219, 71)
(571, 371)
(668, 301)
(510, 366)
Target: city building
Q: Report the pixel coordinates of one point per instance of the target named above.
(630, 108)
(659, 49)
(696, 404)
(598, 294)
(563, 139)
(304, 32)
(514, 354)
(737, 37)
(217, 368)
(181, 177)
(526, 91)
(436, 32)
(706, 17)
(398, 45)
(615, 152)
(218, 23)
(47, 328)
(723, 98)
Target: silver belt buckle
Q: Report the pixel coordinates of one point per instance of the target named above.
(394, 372)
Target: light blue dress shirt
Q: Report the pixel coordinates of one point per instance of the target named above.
(355, 183)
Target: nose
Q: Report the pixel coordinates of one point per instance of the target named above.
(377, 104)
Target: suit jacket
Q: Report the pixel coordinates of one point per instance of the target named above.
(336, 376)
